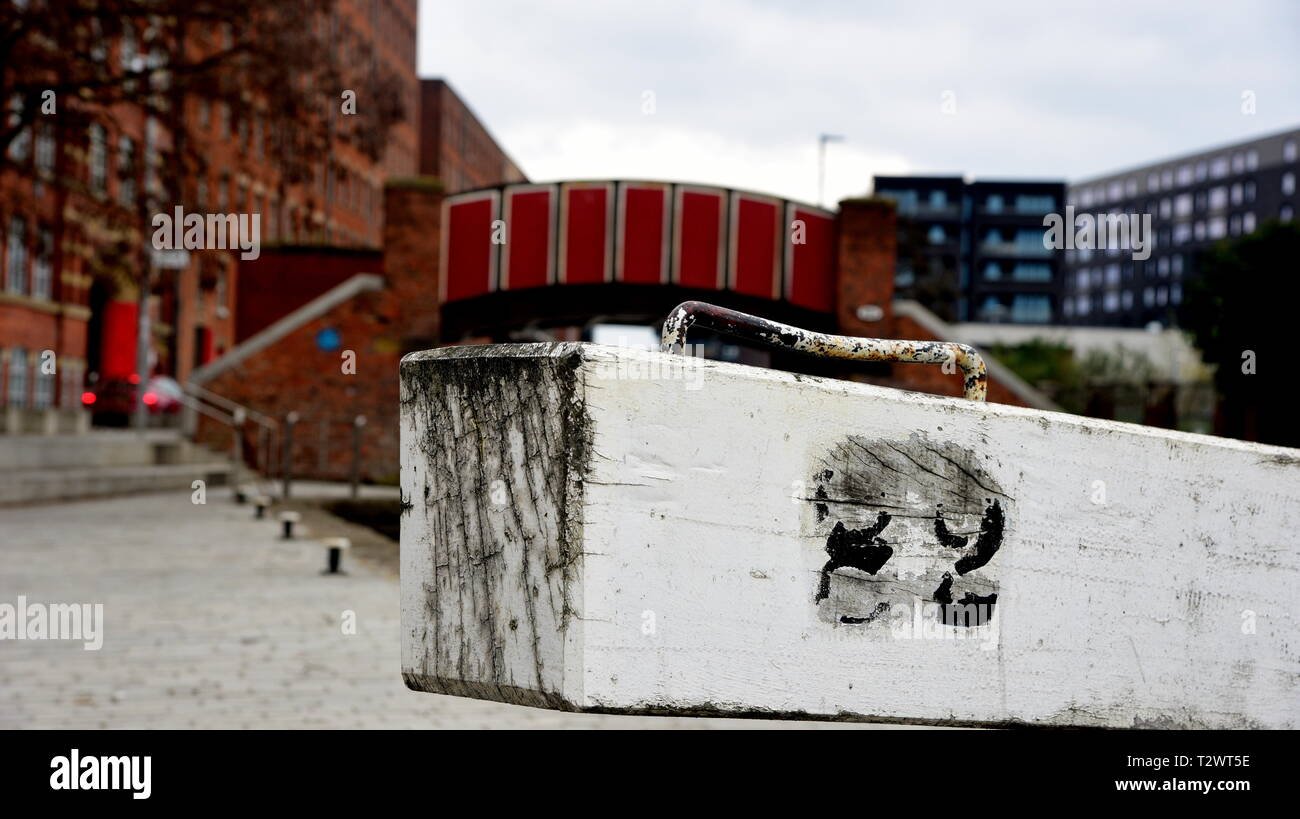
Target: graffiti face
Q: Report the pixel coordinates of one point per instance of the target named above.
(907, 521)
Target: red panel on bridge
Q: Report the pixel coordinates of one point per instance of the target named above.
(526, 255)
(698, 231)
(117, 342)
(470, 267)
(810, 277)
(755, 246)
(643, 234)
(585, 240)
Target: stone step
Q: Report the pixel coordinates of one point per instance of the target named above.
(108, 448)
(39, 485)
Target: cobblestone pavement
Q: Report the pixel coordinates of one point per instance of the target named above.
(211, 621)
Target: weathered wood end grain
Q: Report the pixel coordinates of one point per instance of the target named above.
(493, 441)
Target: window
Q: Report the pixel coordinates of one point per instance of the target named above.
(1131, 187)
(1286, 213)
(938, 199)
(1236, 193)
(1127, 299)
(903, 274)
(1202, 170)
(126, 172)
(1148, 296)
(1234, 224)
(1031, 272)
(1110, 302)
(1115, 191)
(43, 389)
(1216, 227)
(1162, 266)
(98, 159)
(1184, 174)
(1248, 222)
(1250, 191)
(17, 395)
(1218, 198)
(1288, 183)
(1182, 233)
(1183, 205)
(1289, 151)
(1177, 264)
(1031, 309)
(937, 236)
(1219, 167)
(20, 145)
(16, 259)
(1029, 203)
(1153, 182)
(1166, 208)
(1176, 293)
(1252, 159)
(992, 271)
(42, 266)
(45, 148)
(1083, 305)
(1167, 178)
(1112, 274)
(1198, 230)
(1082, 277)
(1238, 162)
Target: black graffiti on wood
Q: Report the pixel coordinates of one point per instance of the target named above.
(986, 545)
(920, 485)
(856, 549)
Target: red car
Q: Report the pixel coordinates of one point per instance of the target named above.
(112, 402)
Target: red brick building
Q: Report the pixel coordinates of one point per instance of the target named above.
(455, 147)
(67, 287)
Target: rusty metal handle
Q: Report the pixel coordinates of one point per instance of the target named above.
(773, 333)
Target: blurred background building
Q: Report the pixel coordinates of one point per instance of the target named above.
(1194, 200)
(973, 251)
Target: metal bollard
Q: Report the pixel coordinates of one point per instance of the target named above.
(334, 547)
(287, 521)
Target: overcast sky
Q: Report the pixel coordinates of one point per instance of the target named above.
(742, 88)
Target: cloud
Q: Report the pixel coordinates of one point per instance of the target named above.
(743, 87)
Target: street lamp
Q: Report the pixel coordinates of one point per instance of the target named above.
(822, 139)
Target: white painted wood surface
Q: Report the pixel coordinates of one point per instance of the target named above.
(594, 528)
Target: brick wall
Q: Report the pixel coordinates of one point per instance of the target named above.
(296, 375)
(867, 252)
(455, 147)
(283, 279)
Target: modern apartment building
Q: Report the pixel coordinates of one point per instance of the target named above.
(1194, 201)
(974, 251)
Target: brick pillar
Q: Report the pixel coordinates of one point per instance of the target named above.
(412, 237)
(865, 265)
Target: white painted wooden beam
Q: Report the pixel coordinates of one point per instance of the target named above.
(601, 529)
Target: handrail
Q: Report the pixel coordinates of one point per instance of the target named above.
(775, 334)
